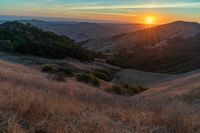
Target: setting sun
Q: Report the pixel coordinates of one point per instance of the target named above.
(150, 20)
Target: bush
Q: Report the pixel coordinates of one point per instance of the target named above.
(67, 71)
(116, 89)
(50, 68)
(88, 78)
(103, 74)
(53, 68)
(126, 90)
(108, 72)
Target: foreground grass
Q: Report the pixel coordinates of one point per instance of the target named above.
(31, 103)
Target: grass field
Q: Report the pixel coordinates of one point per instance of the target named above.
(30, 102)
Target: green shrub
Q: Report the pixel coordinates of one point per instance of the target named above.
(88, 78)
(126, 90)
(67, 71)
(104, 71)
(53, 68)
(103, 74)
(116, 89)
(50, 68)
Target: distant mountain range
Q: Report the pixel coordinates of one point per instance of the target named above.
(150, 37)
(169, 48)
(81, 31)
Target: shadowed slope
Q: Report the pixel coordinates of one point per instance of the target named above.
(27, 39)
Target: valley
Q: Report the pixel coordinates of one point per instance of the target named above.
(49, 83)
(169, 48)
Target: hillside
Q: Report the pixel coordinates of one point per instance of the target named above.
(150, 37)
(27, 39)
(135, 77)
(183, 88)
(170, 48)
(185, 85)
(81, 31)
(30, 102)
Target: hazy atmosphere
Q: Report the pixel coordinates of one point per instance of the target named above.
(129, 11)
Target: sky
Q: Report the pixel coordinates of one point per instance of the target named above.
(129, 11)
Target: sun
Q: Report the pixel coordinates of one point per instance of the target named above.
(150, 20)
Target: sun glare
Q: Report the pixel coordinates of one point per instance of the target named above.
(150, 20)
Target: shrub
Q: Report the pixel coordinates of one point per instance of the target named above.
(53, 68)
(67, 71)
(126, 89)
(88, 78)
(108, 72)
(50, 68)
(103, 74)
(116, 89)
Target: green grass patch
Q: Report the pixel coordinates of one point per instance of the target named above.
(50, 68)
(54, 69)
(88, 78)
(103, 74)
(126, 90)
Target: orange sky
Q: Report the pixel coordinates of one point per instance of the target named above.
(128, 11)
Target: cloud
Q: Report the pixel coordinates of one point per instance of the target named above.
(92, 7)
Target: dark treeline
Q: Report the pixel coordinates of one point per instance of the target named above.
(27, 39)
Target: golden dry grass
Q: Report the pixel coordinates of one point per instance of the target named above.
(30, 103)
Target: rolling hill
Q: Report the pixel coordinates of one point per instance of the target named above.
(138, 78)
(169, 48)
(30, 102)
(150, 37)
(81, 31)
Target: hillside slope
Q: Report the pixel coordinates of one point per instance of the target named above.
(185, 85)
(182, 91)
(32, 103)
(27, 39)
(171, 48)
(80, 31)
(139, 78)
(150, 37)
(184, 88)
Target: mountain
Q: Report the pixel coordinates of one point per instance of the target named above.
(169, 48)
(27, 39)
(80, 31)
(154, 36)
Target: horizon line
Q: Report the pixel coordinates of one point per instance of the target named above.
(64, 19)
